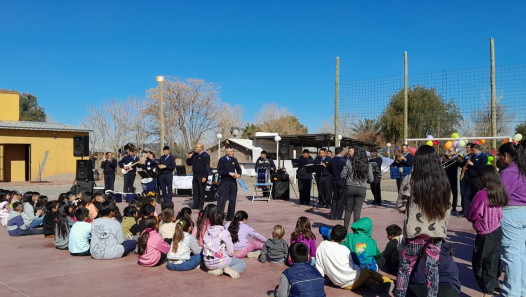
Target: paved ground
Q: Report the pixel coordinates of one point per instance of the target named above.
(31, 266)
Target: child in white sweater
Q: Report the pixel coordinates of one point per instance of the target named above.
(334, 260)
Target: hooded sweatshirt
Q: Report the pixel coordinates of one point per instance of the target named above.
(333, 260)
(218, 248)
(274, 249)
(16, 224)
(363, 248)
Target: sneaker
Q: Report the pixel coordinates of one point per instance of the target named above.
(382, 287)
(216, 272)
(253, 254)
(232, 273)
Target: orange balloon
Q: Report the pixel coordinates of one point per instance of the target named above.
(482, 141)
(505, 140)
(448, 145)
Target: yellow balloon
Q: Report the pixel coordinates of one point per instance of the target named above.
(455, 135)
(429, 142)
(448, 144)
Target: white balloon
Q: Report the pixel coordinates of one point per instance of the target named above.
(461, 143)
(517, 137)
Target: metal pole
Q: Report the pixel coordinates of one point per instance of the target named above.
(218, 149)
(493, 94)
(405, 98)
(161, 114)
(277, 153)
(336, 102)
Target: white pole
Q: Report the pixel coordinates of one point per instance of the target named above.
(277, 153)
(218, 149)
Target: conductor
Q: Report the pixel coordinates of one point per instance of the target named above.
(200, 162)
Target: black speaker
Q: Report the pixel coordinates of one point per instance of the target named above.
(283, 149)
(81, 145)
(180, 170)
(83, 187)
(84, 170)
(280, 190)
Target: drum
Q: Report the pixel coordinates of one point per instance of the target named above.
(263, 175)
(149, 184)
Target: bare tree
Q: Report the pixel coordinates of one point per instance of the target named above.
(346, 124)
(272, 118)
(479, 123)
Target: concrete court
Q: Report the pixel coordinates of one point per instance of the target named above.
(31, 266)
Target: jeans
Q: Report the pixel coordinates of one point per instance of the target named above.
(129, 245)
(513, 226)
(186, 265)
(31, 231)
(37, 222)
(354, 198)
(237, 264)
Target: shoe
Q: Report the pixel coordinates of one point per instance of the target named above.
(232, 273)
(382, 287)
(216, 272)
(253, 254)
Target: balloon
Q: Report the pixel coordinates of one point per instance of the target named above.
(455, 135)
(461, 143)
(455, 143)
(489, 162)
(436, 142)
(482, 141)
(412, 150)
(476, 142)
(429, 142)
(506, 140)
(490, 159)
(429, 137)
(448, 145)
(517, 137)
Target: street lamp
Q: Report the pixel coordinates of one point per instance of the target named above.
(219, 136)
(235, 131)
(389, 150)
(277, 139)
(160, 80)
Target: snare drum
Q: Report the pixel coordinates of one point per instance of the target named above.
(148, 184)
(263, 175)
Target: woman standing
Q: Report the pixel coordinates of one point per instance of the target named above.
(358, 173)
(376, 163)
(513, 224)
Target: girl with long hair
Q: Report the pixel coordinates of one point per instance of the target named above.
(303, 233)
(486, 213)
(204, 221)
(151, 247)
(61, 238)
(358, 173)
(424, 197)
(185, 252)
(240, 231)
(513, 224)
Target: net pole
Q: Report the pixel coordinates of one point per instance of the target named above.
(405, 98)
(336, 102)
(493, 94)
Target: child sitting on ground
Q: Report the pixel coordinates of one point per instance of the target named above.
(275, 249)
(185, 252)
(80, 234)
(50, 219)
(203, 222)
(333, 259)
(17, 225)
(240, 231)
(167, 229)
(61, 239)
(218, 250)
(363, 247)
(146, 210)
(391, 252)
(33, 218)
(4, 209)
(185, 211)
(151, 247)
(301, 278)
(303, 233)
(130, 229)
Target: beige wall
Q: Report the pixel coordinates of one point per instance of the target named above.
(10, 107)
(60, 164)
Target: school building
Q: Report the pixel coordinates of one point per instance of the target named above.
(34, 151)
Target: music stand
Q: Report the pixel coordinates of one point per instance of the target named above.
(318, 169)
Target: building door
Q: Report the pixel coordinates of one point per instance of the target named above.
(15, 162)
(27, 149)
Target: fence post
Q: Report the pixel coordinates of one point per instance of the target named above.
(405, 98)
(336, 102)
(493, 94)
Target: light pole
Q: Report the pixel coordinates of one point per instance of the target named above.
(277, 139)
(219, 137)
(339, 137)
(235, 131)
(389, 150)
(160, 80)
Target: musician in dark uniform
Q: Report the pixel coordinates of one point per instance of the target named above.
(323, 180)
(265, 161)
(149, 164)
(200, 162)
(477, 161)
(376, 164)
(229, 170)
(304, 178)
(129, 163)
(167, 166)
(336, 165)
(108, 167)
(464, 180)
(404, 159)
(451, 168)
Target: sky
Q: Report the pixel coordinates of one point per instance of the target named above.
(72, 54)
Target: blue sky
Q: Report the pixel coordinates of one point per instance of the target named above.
(74, 53)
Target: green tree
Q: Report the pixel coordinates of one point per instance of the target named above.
(367, 130)
(521, 128)
(29, 109)
(250, 130)
(428, 114)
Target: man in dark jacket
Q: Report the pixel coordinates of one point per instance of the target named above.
(200, 162)
(167, 166)
(229, 170)
(477, 161)
(304, 178)
(404, 159)
(129, 163)
(323, 179)
(335, 168)
(108, 167)
(451, 167)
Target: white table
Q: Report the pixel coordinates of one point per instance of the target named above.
(181, 183)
